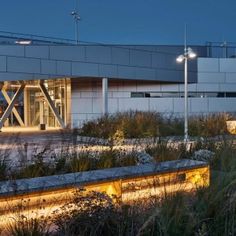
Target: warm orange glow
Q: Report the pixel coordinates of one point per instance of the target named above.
(44, 203)
(162, 184)
(231, 126)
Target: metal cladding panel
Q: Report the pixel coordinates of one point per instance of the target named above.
(15, 76)
(98, 54)
(227, 64)
(227, 87)
(178, 104)
(126, 72)
(113, 105)
(13, 50)
(206, 77)
(48, 67)
(120, 56)
(37, 52)
(145, 73)
(82, 105)
(64, 68)
(222, 105)
(126, 104)
(140, 58)
(230, 77)
(207, 87)
(85, 69)
(110, 71)
(25, 65)
(192, 77)
(169, 75)
(208, 65)
(170, 87)
(147, 63)
(198, 105)
(162, 105)
(67, 53)
(167, 61)
(3, 64)
(97, 105)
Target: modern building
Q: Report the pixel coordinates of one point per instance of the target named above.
(63, 85)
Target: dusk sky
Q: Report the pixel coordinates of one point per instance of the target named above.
(124, 21)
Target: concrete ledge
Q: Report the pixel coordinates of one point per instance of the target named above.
(40, 197)
(51, 183)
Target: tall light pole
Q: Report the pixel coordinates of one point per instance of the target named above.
(77, 18)
(188, 54)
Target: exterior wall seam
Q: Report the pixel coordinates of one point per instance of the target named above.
(6, 63)
(218, 65)
(129, 57)
(56, 66)
(24, 51)
(40, 66)
(85, 54)
(49, 53)
(208, 106)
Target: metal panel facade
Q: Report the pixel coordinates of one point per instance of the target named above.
(148, 63)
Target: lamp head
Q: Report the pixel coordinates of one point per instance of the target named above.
(191, 53)
(180, 58)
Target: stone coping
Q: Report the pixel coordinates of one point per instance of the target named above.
(103, 141)
(55, 182)
(152, 140)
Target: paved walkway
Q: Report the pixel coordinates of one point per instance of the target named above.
(18, 144)
(33, 135)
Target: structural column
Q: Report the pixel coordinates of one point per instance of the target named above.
(51, 104)
(26, 107)
(105, 96)
(11, 105)
(41, 113)
(15, 112)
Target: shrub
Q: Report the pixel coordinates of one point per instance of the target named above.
(127, 159)
(93, 213)
(170, 126)
(208, 125)
(139, 124)
(106, 159)
(132, 124)
(225, 157)
(60, 164)
(89, 213)
(175, 217)
(37, 169)
(23, 226)
(164, 151)
(3, 169)
(103, 127)
(81, 162)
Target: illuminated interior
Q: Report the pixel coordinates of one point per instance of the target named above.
(33, 107)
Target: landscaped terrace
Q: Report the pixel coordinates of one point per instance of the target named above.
(131, 139)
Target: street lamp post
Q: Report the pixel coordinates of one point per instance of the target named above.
(188, 54)
(77, 18)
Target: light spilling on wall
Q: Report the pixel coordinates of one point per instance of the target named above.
(127, 190)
